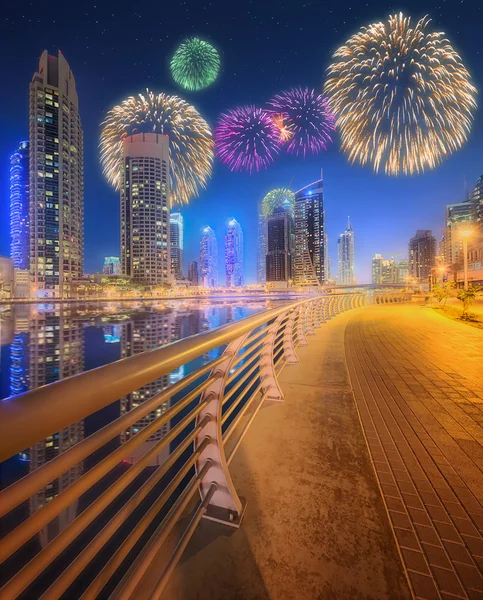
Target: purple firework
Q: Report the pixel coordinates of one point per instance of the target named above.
(307, 116)
(246, 139)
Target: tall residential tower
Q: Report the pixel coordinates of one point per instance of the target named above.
(310, 251)
(422, 255)
(176, 227)
(56, 179)
(20, 206)
(145, 209)
(234, 254)
(345, 251)
(209, 258)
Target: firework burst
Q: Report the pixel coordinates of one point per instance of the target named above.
(190, 140)
(305, 114)
(402, 96)
(195, 64)
(284, 130)
(246, 139)
(279, 198)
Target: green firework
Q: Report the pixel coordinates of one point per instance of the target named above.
(279, 198)
(195, 64)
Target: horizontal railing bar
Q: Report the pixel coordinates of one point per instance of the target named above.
(234, 424)
(23, 489)
(103, 577)
(33, 524)
(249, 350)
(229, 458)
(180, 548)
(94, 546)
(88, 392)
(237, 401)
(242, 380)
(136, 571)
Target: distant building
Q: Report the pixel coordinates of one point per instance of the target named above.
(7, 277)
(345, 254)
(377, 269)
(402, 271)
(457, 216)
(176, 241)
(112, 265)
(56, 179)
(209, 258)
(145, 209)
(388, 271)
(310, 252)
(422, 255)
(20, 207)
(279, 247)
(234, 254)
(261, 247)
(193, 272)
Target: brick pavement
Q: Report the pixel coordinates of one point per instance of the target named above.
(417, 378)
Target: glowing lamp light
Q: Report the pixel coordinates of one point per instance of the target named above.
(466, 233)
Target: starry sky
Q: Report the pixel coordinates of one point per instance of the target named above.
(116, 49)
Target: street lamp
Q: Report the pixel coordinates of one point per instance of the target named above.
(465, 234)
(442, 271)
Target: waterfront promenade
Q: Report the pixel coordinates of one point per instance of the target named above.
(367, 481)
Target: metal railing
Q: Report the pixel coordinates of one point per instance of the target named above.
(209, 406)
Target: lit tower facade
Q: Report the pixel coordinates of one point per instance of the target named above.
(20, 206)
(279, 246)
(345, 254)
(193, 272)
(310, 250)
(234, 254)
(261, 247)
(176, 244)
(145, 251)
(56, 179)
(209, 258)
(422, 255)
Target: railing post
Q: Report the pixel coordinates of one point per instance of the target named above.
(288, 339)
(309, 328)
(301, 337)
(268, 376)
(225, 505)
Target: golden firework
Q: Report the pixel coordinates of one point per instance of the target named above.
(190, 140)
(402, 96)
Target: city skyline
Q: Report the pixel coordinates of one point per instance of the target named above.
(416, 202)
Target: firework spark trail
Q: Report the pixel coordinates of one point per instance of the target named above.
(190, 140)
(278, 198)
(402, 96)
(195, 64)
(306, 115)
(246, 139)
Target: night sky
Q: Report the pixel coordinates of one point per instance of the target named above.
(116, 49)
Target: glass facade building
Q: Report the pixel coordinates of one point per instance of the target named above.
(56, 179)
(422, 255)
(176, 233)
(261, 247)
(193, 272)
(20, 207)
(310, 248)
(112, 265)
(345, 255)
(279, 246)
(234, 254)
(209, 258)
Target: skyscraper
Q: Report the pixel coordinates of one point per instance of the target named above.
(310, 252)
(234, 254)
(345, 253)
(261, 247)
(377, 269)
(20, 206)
(422, 255)
(145, 209)
(402, 270)
(279, 247)
(112, 265)
(209, 258)
(56, 179)
(193, 272)
(176, 244)
(457, 215)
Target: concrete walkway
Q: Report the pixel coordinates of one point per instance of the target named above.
(315, 526)
(418, 382)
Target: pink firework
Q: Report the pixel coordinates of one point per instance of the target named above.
(246, 139)
(306, 114)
